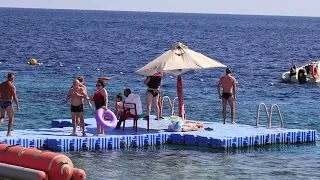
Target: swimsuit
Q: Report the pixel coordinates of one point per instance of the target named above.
(5, 104)
(77, 108)
(98, 100)
(226, 95)
(155, 82)
(154, 85)
(154, 92)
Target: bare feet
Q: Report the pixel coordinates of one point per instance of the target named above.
(233, 122)
(74, 131)
(100, 134)
(9, 134)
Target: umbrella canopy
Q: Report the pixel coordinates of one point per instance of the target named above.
(175, 61)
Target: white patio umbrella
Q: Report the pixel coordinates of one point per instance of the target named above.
(175, 61)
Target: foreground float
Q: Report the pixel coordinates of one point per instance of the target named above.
(17, 163)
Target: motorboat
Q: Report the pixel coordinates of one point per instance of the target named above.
(308, 73)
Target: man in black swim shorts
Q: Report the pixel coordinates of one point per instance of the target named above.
(76, 93)
(81, 80)
(76, 109)
(226, 95)
(7, 94)
(228, 84)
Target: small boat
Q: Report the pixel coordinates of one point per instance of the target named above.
(308, 73)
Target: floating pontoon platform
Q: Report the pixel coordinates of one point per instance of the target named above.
(217, 136)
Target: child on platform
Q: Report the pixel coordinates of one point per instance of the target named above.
(119, 106)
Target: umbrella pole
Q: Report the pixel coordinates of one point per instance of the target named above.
(180, 96)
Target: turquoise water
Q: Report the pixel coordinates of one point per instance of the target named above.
(176, 162)
(257, 48)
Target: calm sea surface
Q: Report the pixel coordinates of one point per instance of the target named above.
(257, 48)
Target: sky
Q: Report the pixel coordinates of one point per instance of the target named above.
(252, 7)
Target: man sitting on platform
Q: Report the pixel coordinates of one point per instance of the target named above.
(130, 98)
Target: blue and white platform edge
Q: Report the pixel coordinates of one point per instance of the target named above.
(223, 136)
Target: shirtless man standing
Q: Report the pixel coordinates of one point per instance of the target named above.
(81, 80)
(76, 93)
(228, 84)
(7, 94)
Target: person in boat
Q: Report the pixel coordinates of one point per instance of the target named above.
(76, 93)
(153, 93)
(228, 84)
(308, 68)
(293, 70)
(7, 94)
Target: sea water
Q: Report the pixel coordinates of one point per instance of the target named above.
(258, 49)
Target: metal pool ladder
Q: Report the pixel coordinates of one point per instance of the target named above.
(171, 104)
(269, 115)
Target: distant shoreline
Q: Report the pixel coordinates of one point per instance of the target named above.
(194, 13)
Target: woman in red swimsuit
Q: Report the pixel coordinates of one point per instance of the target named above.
(100, 99)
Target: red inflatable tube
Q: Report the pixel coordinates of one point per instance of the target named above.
(56, 166)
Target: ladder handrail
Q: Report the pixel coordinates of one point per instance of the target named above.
(173, 105)
(258, 113)
(170, 103)
(279, 113)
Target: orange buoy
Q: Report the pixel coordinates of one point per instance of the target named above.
(56, 166)
(78, 174)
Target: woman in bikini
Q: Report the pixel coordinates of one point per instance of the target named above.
(153, 92)
(100, 99)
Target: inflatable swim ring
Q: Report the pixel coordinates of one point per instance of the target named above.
(101, 113)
